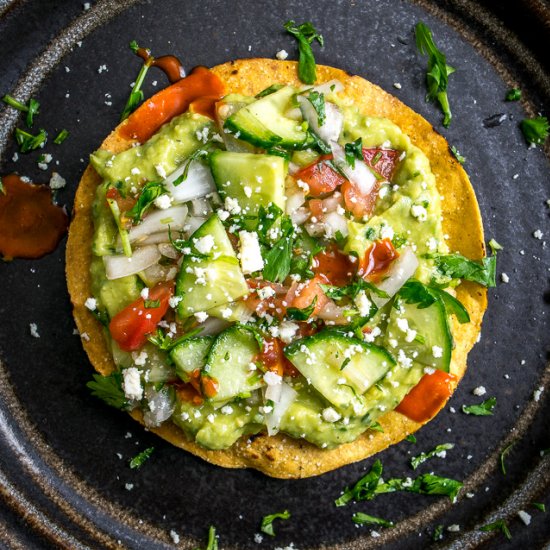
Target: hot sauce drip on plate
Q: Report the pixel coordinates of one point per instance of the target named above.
(202, 88)
(427, 397)
(30, 225)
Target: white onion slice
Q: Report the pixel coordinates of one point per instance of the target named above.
(158, 221)
(157, 273)
(335, 223)
(285, 398)
(166, 249)
(199, 182)
(155, 238)
(361, 174)
(294, 201)
(119, 265)
(334, 120)
(332, 86)
(315, 229)
(399, 273)
(161, 407)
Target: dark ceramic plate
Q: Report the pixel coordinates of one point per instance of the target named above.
(64, 475)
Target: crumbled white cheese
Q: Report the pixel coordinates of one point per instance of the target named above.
(419, 212)
(175, 537)
(135, 171)
(226, 312)
(232, 205)
(57, 182)
(144, 293)
(251, 255)
(287, 331)
(265, 293)
(131, 384)
(201, 316)
(387, 232)
(227, 409)
(281, 55)
(504, 277)
(537, 393)
(163, 202)
(397, 85)
(479, 391)
(437, 352)
(205, 244)
(33, 327)
(363, 303)
(538, 234)
(258, 538)
(160, 170)
(453, 528)
(140, 358)
(330, 415)
(174, 301)
(91, 304)
(524, 516)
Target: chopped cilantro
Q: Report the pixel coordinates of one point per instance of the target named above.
(361, 519)
(411, 438)
(437, 76)
(499, 525)
(377, 427)
(277, 260)
(136, 95)
(456, 266)
(319, 144)
(438, 533)
(539, 506)
(28, 142)
(109, 388)
(304, 314)
(514, 94)
(318, 102)
(503, 456)
(352, 290)
(494, 246)
(267, 521)
(149, 193)
(535, 130)
(485, 408)
(151, 304)
(269, 90)
(31, 109)
(305, 34)
(422, 457)
(195, 155)
(16, 104)
(139, 459)
(425, 484)
(457, 155)
(364, 489)
(61, 137)
(354, 150)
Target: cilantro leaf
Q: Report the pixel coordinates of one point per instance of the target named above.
(151, 304)
(109, 388)
(267, 521)
(438, 533)
(304, 314)
(139, 459)
(411, 438)
(28, 142)
(499, 525)
(166, 343)
(514, 94)
(149, 193)
(305, 34)
(485, 408)
(437, 76)
(456, 266)
(457, 155)
(277, 260)
(352, 290)
(539, 506)
(136, 95)
(503, 456)
(494, 246)
(269, 90)
(377, 427)
(364, 489)
(361, 519)
(318, 101)
(422, 457)
(426, 484)
(354, 150)
(61, 137)
(31, 109)
(195, 155)
(535, 130)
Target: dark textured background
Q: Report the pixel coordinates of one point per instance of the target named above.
(60, 457)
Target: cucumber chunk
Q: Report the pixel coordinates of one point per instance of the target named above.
(228, 362)
(252, 180)
(339, 367)
(433, 341)
(204, 283)
(190, 355)
(264, 124)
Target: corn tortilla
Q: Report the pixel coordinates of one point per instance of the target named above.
(282, 456)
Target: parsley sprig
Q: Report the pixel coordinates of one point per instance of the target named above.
(485, 408)
(305, 34)
(456, 266)
(437, 76)
(109, 389)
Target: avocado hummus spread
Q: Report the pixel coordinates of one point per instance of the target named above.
(279, 268)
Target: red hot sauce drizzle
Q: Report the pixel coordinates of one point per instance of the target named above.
(169, 64)
(30, 225)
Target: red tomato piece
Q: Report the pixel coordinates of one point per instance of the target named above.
(302, 295)
(130, 327)
(274, 360)
(356, 202)
(377, 259)
(428, 396)
(335, 266)
(320, 177)
(386, 161)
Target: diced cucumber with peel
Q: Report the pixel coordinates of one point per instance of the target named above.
(190, 355)
(229, 364)
(339, 367)
(264, 124)
(252, 180)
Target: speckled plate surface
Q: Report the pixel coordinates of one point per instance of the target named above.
(64, 475)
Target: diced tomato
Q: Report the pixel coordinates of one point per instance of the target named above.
(377, 259)
(335, 266)
(427, 397)
(316, 207)
(320, 177)
(188, 392)
(124, 203)
(356, 202)
(386, 161)
(301, 296)
(274, 360)
(130, 327)
(272, 305)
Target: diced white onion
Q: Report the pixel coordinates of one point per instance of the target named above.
(331, 312)
(166, 249)
(158, 221)
(159, 273)
(119, 265)
(400, 272)
(212, 326)
(300, 215)
(199, 182)
(156, 238)
(193, 223)
(201, 207)
(294, 201)
(293, 168)
(361, 174)
(315, 229)
(334, 120)
(285, 398)
(335, 223)
(332, 86)
(161, 407)
(332, 203)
